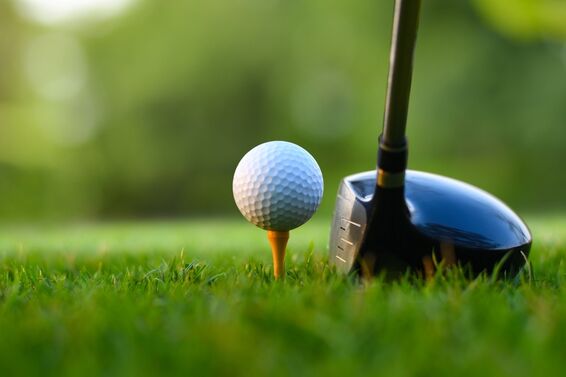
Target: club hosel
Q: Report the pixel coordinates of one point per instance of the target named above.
(391, 165)
(389, 214)
(389, 207)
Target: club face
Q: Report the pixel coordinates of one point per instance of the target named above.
(448, 215)
(353, 205)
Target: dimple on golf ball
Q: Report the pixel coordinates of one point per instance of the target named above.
(277, 186)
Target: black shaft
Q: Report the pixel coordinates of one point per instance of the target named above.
(389, 227)
(403, 40)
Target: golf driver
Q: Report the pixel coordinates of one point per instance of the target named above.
(394, 220)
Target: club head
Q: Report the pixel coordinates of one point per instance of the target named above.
(444, 217)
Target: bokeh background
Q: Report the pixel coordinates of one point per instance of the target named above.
(142, 108)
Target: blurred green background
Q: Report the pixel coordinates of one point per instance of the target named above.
(139, 108)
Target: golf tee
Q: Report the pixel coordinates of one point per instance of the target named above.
(278, 241)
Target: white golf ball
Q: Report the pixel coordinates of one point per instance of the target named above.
(277, 186)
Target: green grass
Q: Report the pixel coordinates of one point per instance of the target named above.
(196, 298)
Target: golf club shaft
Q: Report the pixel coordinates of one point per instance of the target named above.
(403, 40)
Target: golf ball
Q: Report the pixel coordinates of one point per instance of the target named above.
(277, 186)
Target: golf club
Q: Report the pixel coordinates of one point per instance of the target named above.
(393, 219)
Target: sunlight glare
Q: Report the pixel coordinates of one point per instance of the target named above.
(54, 11)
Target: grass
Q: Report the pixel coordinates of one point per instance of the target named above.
(196, 298)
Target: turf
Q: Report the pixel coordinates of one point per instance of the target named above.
(196, 298)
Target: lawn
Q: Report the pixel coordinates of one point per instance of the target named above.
(196, 298)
